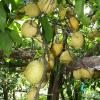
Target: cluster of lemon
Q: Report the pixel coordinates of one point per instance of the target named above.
(29, 28)
(77, 37)
(34, 74)
(34, 9)
(34, 70)
(83, 73)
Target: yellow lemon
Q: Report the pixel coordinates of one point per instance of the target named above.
(74, 23)
(77, 74)
(77, 40)
(32, 9)
(29, 29)
(47, 6)
(34, 71)
(65, 57)
(86, 73)
(57, 48)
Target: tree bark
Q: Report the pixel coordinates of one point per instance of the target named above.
(92, 62)
(50, 89)
(55, 90)
(58, 82)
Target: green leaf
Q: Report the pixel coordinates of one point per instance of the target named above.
(48, 32)
(2, 17)
(15, 4)
(79, 9)
(59, 1)
(5, 42)
(98, 15)
(85, 20)
(15, 37)
(98, 3)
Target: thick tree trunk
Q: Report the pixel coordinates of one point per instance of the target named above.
(55, 85)
(55, 90)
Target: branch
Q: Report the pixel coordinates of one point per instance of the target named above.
(86, 62)
(22, 54)
(19, 53)
(26, 55)
(92, 62)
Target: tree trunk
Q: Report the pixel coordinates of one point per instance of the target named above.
(55, 85)
(50, 89)
(55, 90)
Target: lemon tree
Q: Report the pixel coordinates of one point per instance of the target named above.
(52, 44)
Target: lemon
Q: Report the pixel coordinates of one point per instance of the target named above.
(57, 48)
(77, 74)
(29, 29)
(65, 57)
(77, 40)
(74, 23)
(47, 6)
(34, 71)
(32, 9)
(86, 73)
